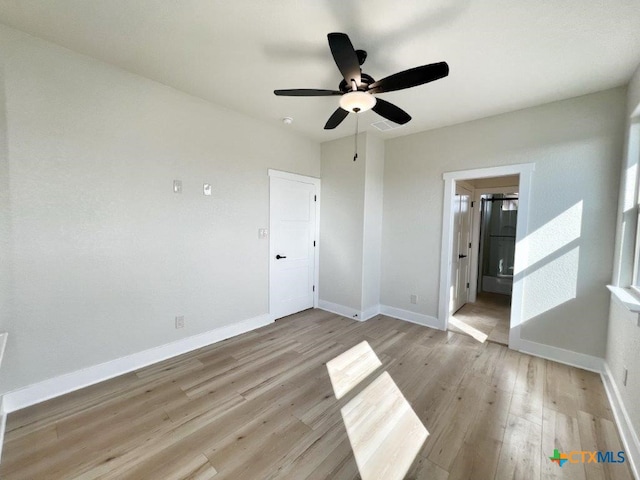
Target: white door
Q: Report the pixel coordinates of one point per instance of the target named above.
(292, 246)
(461, 249)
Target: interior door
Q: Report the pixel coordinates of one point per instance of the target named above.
(461, 249)
(292, 246)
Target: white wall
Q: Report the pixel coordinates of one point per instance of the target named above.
(623, 341)
(351, 225)
(342, 222)
(5, 231)
(372, 236)
(576, 148)
(102, 253)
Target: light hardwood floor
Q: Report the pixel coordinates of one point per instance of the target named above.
(261, 406)
(489, 314)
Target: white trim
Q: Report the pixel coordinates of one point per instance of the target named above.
(625, 427)
(398, 313)
(370, 312)
(316, 182)
(3, 413)
(342, 310)
(627, 297)
(3, 344)
(446, 253)
(316, 279)
(525, 171)
(520, 261)
(502, 171)
(54, 387)
(293, 176)
(408, 316)
(560, 355)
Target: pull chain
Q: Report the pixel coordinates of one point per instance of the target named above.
(356, 137)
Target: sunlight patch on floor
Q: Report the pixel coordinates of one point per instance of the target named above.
(384, 431)
(351, 367)
(468, 329)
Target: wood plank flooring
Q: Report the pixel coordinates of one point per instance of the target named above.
(489, 315)
(261, 406)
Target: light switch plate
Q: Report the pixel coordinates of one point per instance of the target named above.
(177, 186)
(263, 233)
(206, 189)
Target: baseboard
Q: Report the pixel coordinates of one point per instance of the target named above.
(627, 432)
(370, 312)
(54, 387)
(413, 317)
(560, 355)
(398, 313)
(341, 310)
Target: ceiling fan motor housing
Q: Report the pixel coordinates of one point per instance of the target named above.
(365, 81)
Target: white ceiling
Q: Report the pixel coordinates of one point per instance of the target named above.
(503, 54)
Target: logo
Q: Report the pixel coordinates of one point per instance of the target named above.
(580, 456)
(559, 458)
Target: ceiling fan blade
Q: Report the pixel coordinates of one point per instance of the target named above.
(306, 92)
(345, 57)
(336, 119)
(410, 78)
(391, 112)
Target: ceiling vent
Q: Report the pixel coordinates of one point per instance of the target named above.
(385, 125)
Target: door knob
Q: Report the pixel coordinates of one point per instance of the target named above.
(462, 256)
(278, 257)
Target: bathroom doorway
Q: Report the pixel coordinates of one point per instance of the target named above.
(486, 315)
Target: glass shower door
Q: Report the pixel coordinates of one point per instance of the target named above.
(498, 240)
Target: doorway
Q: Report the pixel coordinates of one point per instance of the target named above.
(487, 315)
(293, 243)
(488, 306)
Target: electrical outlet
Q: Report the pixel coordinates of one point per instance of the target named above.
(179, 321)
(624, 376)
(414, 299)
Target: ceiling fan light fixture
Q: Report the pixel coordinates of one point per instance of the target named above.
(357, 101)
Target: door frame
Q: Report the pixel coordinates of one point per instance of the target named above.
(525, 170)
(316, 258)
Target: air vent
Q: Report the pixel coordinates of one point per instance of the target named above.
(385, 125)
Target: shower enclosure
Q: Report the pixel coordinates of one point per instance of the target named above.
(499, 214)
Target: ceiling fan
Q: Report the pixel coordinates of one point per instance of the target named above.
(356, 89)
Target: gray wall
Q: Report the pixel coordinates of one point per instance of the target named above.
(103, 254)
(372, 237)
(576, 146)
(342, 222)
(623, 341)
(351, 222)
(6, 267)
